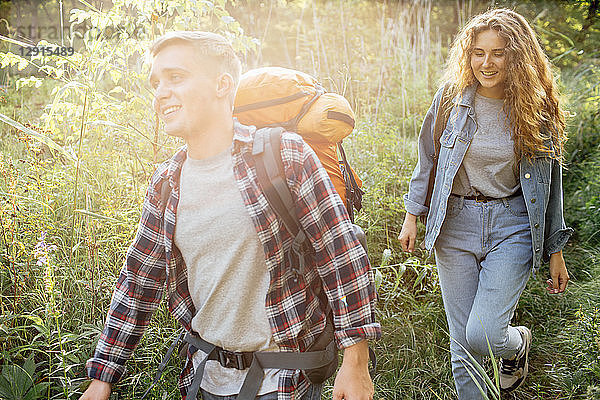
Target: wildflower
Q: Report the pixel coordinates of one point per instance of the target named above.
(42, 250)
(42, 253)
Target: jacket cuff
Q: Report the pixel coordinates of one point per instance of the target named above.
(556, 242)
(349, 336)
(105, 371)
(414, 208)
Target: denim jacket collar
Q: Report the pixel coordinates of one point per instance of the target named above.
(467, 98)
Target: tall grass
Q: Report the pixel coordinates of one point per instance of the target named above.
(75, 167)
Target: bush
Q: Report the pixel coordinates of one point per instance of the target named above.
(582, 177)
(79, 141)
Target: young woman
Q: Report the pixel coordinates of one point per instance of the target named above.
(496, 208)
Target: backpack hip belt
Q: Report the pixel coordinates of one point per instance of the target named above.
(256, 362)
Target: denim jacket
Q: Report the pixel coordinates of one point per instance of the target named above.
(540, 178)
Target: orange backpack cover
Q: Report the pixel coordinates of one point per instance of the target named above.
(275, 96)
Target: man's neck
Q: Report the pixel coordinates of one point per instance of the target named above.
(215, 140)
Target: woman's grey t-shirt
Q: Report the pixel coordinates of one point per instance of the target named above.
(489, 166)
(227, 273)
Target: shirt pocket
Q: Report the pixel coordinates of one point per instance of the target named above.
(447, 142)
(448, 138)
(516, 206)
(454, 208)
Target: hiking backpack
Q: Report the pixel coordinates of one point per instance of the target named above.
(295, 101)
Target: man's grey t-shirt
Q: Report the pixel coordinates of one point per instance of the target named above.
(489, 166)
(227, 274)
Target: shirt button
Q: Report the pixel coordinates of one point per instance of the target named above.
(527, 175)
(533, 200)
(536, 226)
(537, 249)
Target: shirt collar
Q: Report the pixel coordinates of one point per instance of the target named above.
(242, 133)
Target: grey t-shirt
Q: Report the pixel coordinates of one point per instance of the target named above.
(489, 166)
(227, 274)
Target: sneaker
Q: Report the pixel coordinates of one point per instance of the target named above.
(514, 371)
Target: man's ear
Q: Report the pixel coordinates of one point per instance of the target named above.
(225, 85)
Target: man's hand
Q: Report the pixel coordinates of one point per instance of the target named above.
(408, 234)
(559, 277)
(97, 390)
(353, 381)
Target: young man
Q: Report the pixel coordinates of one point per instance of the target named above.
(221, 250)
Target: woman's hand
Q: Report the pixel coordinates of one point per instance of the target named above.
(408, 234)
(558, 274)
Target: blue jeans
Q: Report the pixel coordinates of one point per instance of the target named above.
(484, 257)
(313, 393)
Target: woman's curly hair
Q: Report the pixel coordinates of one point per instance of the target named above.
(531, 97)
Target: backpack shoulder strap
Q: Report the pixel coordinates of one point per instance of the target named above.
(271, 176)
(441, 119)
(354, 193)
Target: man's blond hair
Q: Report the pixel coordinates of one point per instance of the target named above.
(206, 44)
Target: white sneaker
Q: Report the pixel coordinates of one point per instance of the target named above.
(514, 371)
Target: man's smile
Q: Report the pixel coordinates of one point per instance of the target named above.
(170, 110)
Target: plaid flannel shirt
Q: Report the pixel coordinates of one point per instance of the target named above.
(295, 313)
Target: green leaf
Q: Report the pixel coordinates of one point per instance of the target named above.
(29, 366)
(10, 59)
(5, 388)
(99, 216)
(14, 41)
(481, 372)
(42, 138)
(378, 279)
(117, 90)
(59, 94)
(115, 75)
(420, 277)
(30, 81)
(401, 270)
(385, 257)
(19, 381)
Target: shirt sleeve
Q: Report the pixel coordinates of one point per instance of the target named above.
(341, 261)
(136, 296)
(556, 232)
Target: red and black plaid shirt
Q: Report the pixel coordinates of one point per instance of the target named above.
(294, 311)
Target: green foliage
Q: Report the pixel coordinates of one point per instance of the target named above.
(78, 141)
(71, 183)
(588, 326)
(584, 204)
(21, 382)
(385, 61)
(582, 178)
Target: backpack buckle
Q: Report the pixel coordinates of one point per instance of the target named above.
(232, 359)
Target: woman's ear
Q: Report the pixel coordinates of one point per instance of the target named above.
(225, 85)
